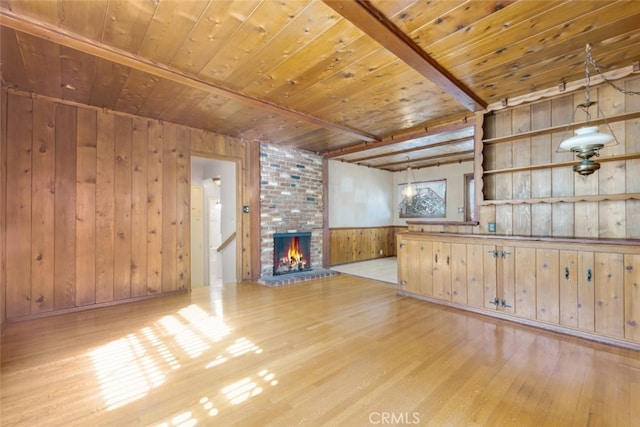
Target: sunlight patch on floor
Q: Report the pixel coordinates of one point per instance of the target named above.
(125, 371)
(234, 394)
(129, 368)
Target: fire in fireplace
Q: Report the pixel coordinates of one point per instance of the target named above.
(291, 252)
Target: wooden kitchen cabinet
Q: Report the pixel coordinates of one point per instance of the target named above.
(588, 288)
(547, 285)
(475, 274)
(459, 285)
(441, 272)
(609, 293)
(632, 297)
(506, 271)
(414, 266)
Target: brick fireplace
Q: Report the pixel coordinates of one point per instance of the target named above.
(290, 201)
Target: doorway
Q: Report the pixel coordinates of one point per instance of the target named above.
(213, 222)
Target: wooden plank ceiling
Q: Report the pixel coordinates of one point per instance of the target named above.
(379, 83)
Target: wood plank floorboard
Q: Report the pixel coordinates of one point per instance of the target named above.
(341, 351)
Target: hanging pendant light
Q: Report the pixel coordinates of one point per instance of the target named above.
(409, 191)
(588, 140)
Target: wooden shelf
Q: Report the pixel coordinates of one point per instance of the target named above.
(560, 164)
(613, 119)
(564, 199)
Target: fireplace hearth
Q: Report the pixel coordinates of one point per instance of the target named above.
(291, 252)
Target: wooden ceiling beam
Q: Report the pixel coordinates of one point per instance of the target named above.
(402, 137)
(377, 26)
(412, 149)
(430, 158)
(57, 35)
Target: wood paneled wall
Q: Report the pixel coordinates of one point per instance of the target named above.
(360, 244)
(3, 193)
(526, 194)
(98, 205)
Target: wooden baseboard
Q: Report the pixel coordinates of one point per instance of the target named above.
(534, 323)
(93, 306)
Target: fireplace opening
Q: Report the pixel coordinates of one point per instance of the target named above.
(291, 252)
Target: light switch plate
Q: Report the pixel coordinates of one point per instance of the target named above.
(492, 227)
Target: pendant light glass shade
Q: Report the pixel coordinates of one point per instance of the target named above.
(409, 191)
(586, 137)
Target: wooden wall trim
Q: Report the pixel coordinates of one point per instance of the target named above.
(461, 223)
(482, 238)
(3, 202)
(365, 228)
(93, 306)
(253, 194)
(568, 199)
(562, 90)
(326, 246)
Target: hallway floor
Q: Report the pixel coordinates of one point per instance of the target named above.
(381, 269)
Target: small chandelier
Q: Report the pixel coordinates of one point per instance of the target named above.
(409, 191)
(588, 140)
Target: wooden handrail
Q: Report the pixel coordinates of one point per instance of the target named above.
(226, 242)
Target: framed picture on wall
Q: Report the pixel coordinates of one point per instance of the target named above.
(430, 200)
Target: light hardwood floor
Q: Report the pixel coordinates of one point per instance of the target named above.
(343, 351)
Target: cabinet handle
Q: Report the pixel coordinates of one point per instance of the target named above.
(494, 252)
(447, 259)
(504, 304)
(566, 273)
(589, 275)
(496, 301)
(436, 258)
(504, 254)
(401, 245)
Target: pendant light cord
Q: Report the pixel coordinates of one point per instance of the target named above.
(589, 60)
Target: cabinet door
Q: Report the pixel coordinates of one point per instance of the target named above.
(490, 276)
(586, 291)
(403, 263)
(413, 273)
(632, 297)
(507, 279)
(414, 266)
(568, 262)
(525, 262)
(409, 255)
(475, 275)
(425, 269)
(442, 270)
(547, 285)
(609, 294)
(459, 273)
